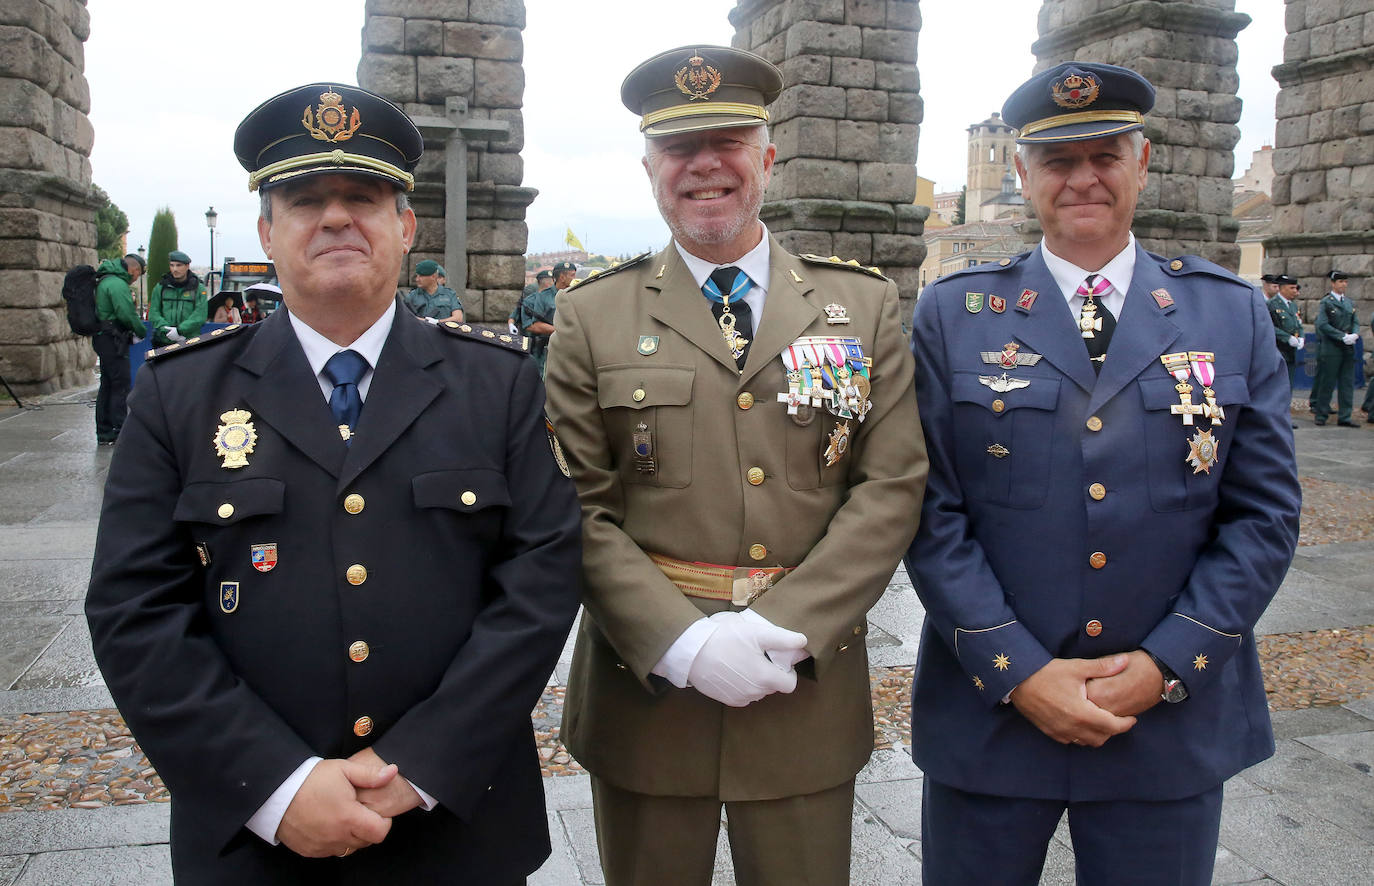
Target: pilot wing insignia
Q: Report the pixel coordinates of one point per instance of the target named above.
(1010, 357)
(1003, 383)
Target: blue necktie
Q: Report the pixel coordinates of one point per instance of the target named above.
(345, 369)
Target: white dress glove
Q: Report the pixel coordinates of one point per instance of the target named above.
(1350, 337)
(1296, 341)
(173, 334)
(733, 666)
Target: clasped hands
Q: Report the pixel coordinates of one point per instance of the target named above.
(1086, 701)
(345, 805)
(1350, 337)
(746, 659)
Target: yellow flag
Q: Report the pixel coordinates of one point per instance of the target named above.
(572, 241)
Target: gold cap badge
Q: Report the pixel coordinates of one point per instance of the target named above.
(331, 116)
(698, 80)
(1075, 91)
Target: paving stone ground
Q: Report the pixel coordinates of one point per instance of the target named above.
(80, 804)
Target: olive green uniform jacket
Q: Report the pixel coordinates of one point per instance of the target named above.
(843, 528)
(183, 307)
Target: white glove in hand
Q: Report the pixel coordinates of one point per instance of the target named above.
(173, 334)
(1296, 341)
(733, 667)
(1350, 337)
(136, 341)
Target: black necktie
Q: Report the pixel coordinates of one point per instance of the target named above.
(1095, 321)
(727, 283)
(345, 369)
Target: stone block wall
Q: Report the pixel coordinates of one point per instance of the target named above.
(47, 214)
(1324, 151)
(418, 53)
(846, 127)
(1187, 49)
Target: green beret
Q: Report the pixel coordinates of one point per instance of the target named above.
(178, 255)
(427, 267)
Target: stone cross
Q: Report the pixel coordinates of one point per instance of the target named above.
(454, 130)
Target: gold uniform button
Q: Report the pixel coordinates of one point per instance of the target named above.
(757, 552)
(1004, 262)
(362, 726)
(1093, 628)
(225, 511)
(998, 406)
(745, 400)
(1098, 560)
(359, 651)
(468, 498)
(1175, 265)
(1097, 491)
(353, 503)
(356, 574)
(858, 629)
(755, 476)
(1094, 423)
(638, 395)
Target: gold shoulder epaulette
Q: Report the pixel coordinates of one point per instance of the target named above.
(613, 269)
(197, 342)
(835, 261)
(476, 333)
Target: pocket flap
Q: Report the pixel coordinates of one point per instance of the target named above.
(1041, 393)
(226, 503)
(1158, 394)
(638, 387)
(467, 490)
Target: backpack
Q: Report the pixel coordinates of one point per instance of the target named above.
(78, 291)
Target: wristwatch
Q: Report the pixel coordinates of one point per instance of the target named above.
(1174, 690)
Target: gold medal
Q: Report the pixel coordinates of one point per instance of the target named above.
(839, 444)
(234, 440)
(1203, 452)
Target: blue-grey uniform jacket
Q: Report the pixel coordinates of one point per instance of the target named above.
(1063, 519)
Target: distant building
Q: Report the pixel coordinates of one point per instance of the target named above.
(1260, 176)
(946, 206)
(1255, 214)
(963, 246)
(1008, 203)
(991, 145)
(925, 196)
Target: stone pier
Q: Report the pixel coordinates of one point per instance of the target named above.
(846, 127)
(47, 212)
(421, 54)
(1324, 151)
(1187, 49)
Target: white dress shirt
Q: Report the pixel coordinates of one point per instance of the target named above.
(1119, 272)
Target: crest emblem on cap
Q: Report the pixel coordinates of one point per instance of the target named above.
(333, 127)
(1075, 90)
(698, 80)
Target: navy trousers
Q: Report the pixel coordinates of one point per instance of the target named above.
(983, 839)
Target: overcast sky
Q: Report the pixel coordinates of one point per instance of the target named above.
(170, 81)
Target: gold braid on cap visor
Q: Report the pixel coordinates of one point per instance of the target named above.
(1133, 118)
(735, 109)
(312, 162)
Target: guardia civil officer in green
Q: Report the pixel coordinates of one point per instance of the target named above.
(178, 305)
(1337, 331)
(119, 327)
(431, 299)
(536, 312)
(1287, 320)
(333, 574)
(741, 424)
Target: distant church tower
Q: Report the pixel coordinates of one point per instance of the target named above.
(991, 145)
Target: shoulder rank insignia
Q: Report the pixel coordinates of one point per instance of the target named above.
(1010, 357)
(198, 341)
(612, 270)
(476, 333)
(835, 261)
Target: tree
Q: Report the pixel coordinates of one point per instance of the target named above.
(111, 224)
(161, 241)
(963, 201)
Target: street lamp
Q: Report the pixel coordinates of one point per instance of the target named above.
(211, 218)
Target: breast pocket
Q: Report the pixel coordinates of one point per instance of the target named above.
(1174, 483)
(478, 498)
(225, 504)
(649, 407)
(1003, 440)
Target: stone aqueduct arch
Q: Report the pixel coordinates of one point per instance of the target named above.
(846, 126)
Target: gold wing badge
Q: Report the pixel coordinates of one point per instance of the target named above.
(331, 114)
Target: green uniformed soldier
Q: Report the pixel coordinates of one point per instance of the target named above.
(177, 306)
(431, 299)
(536, 311)
(741, 425)
(1337, 323)
(1287, 320)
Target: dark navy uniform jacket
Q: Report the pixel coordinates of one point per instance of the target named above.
(1071, 501)
(452, 501)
